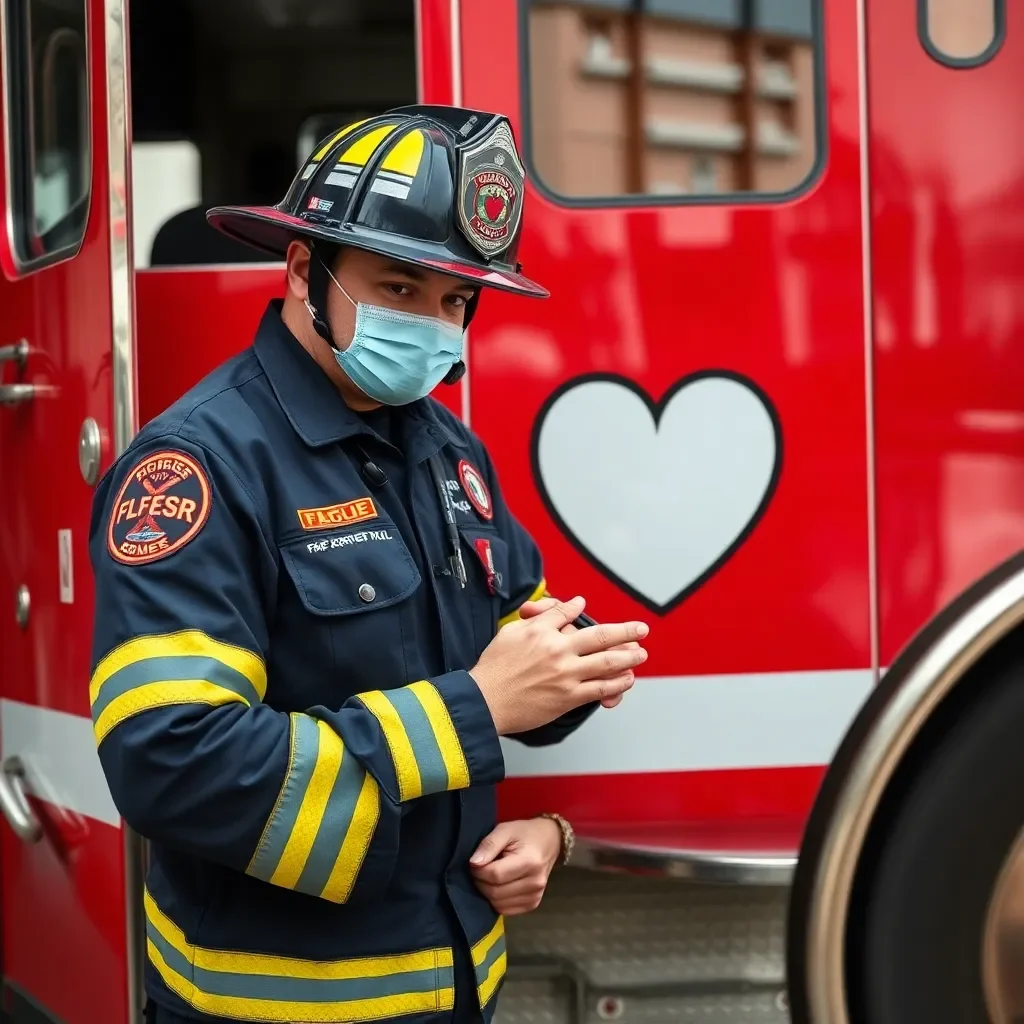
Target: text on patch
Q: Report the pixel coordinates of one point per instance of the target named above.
(342, 514)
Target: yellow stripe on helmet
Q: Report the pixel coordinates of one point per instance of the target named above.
(405, 157)
(361, 150)
(322, 152)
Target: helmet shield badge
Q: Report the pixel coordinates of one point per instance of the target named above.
(491, 179)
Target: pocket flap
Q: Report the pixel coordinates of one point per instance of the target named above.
(489, 558)
(350, 571)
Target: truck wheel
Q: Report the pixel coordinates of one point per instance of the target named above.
(936, 932)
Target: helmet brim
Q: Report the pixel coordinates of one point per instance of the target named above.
(271, 230)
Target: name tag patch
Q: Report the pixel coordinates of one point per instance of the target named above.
(329, 543)
(343, 514)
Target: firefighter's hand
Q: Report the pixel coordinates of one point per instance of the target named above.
(532, 608)
(511, 866)
(532, 672)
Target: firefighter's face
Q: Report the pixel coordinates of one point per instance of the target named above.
(383, 281)
(371, 280)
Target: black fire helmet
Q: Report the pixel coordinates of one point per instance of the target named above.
(439, 187)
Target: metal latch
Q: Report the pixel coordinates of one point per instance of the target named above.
(16, 394)
(16, 353)
(14, 802)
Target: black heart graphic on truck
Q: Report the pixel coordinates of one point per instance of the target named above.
(658, 495)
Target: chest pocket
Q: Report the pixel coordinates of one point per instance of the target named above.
(487, 569)
(355, 583)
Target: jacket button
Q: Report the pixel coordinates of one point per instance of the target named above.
(367, 593)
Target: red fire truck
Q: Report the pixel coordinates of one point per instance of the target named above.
(785, 245)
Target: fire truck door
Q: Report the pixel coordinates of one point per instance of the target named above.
(703, 250)
(909, 899)
(65, 409)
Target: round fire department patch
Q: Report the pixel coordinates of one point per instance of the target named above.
(476, 490)
(163, 503)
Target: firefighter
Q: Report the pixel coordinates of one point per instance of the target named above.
(316, 615)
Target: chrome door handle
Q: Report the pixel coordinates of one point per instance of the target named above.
(15, 394)
(16, 353)
(14, 802)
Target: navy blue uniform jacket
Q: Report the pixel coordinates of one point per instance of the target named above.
(281, 697)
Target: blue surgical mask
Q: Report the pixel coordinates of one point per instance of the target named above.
(395, 357)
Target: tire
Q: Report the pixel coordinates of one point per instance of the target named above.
(933, 858)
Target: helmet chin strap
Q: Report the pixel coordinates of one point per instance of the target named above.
(319, 282)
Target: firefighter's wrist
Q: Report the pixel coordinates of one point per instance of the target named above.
(567, 837)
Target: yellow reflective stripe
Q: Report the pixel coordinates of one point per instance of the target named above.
(444, 733)
(490, 961)
(362, 149)
(486, 944)
(348, 1012)
(356, 843)
(494, 976)
(322, 970)
(323, 151)
(410, 786)
(271, 1011)
(291, 967)
(178, 984)
(405, 157)
(186, 643)
(377, 1008)
(425, 748)
(324, 819)
(156, 695)
(271, 823)
(311, 810)
(243, 985)
(538, 592)
(166, 927)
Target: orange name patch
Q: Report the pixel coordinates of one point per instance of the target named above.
(343, 514)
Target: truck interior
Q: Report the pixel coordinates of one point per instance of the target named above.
(229, 97)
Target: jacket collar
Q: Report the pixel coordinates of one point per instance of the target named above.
(315, 409)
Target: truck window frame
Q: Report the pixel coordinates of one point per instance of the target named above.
(19, 152)
(940, 56)
(656, 200)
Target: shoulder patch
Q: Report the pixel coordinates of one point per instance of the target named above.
(476, 490)
(163, 504)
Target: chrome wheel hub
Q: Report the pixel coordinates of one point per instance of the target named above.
(1003, 943)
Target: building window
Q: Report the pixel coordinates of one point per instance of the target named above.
(703, 175)
(718, 98)
(48, 135)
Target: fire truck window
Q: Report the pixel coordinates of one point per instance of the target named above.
(48, 128)
(229, 97)
(961, 33)
(672, 98)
